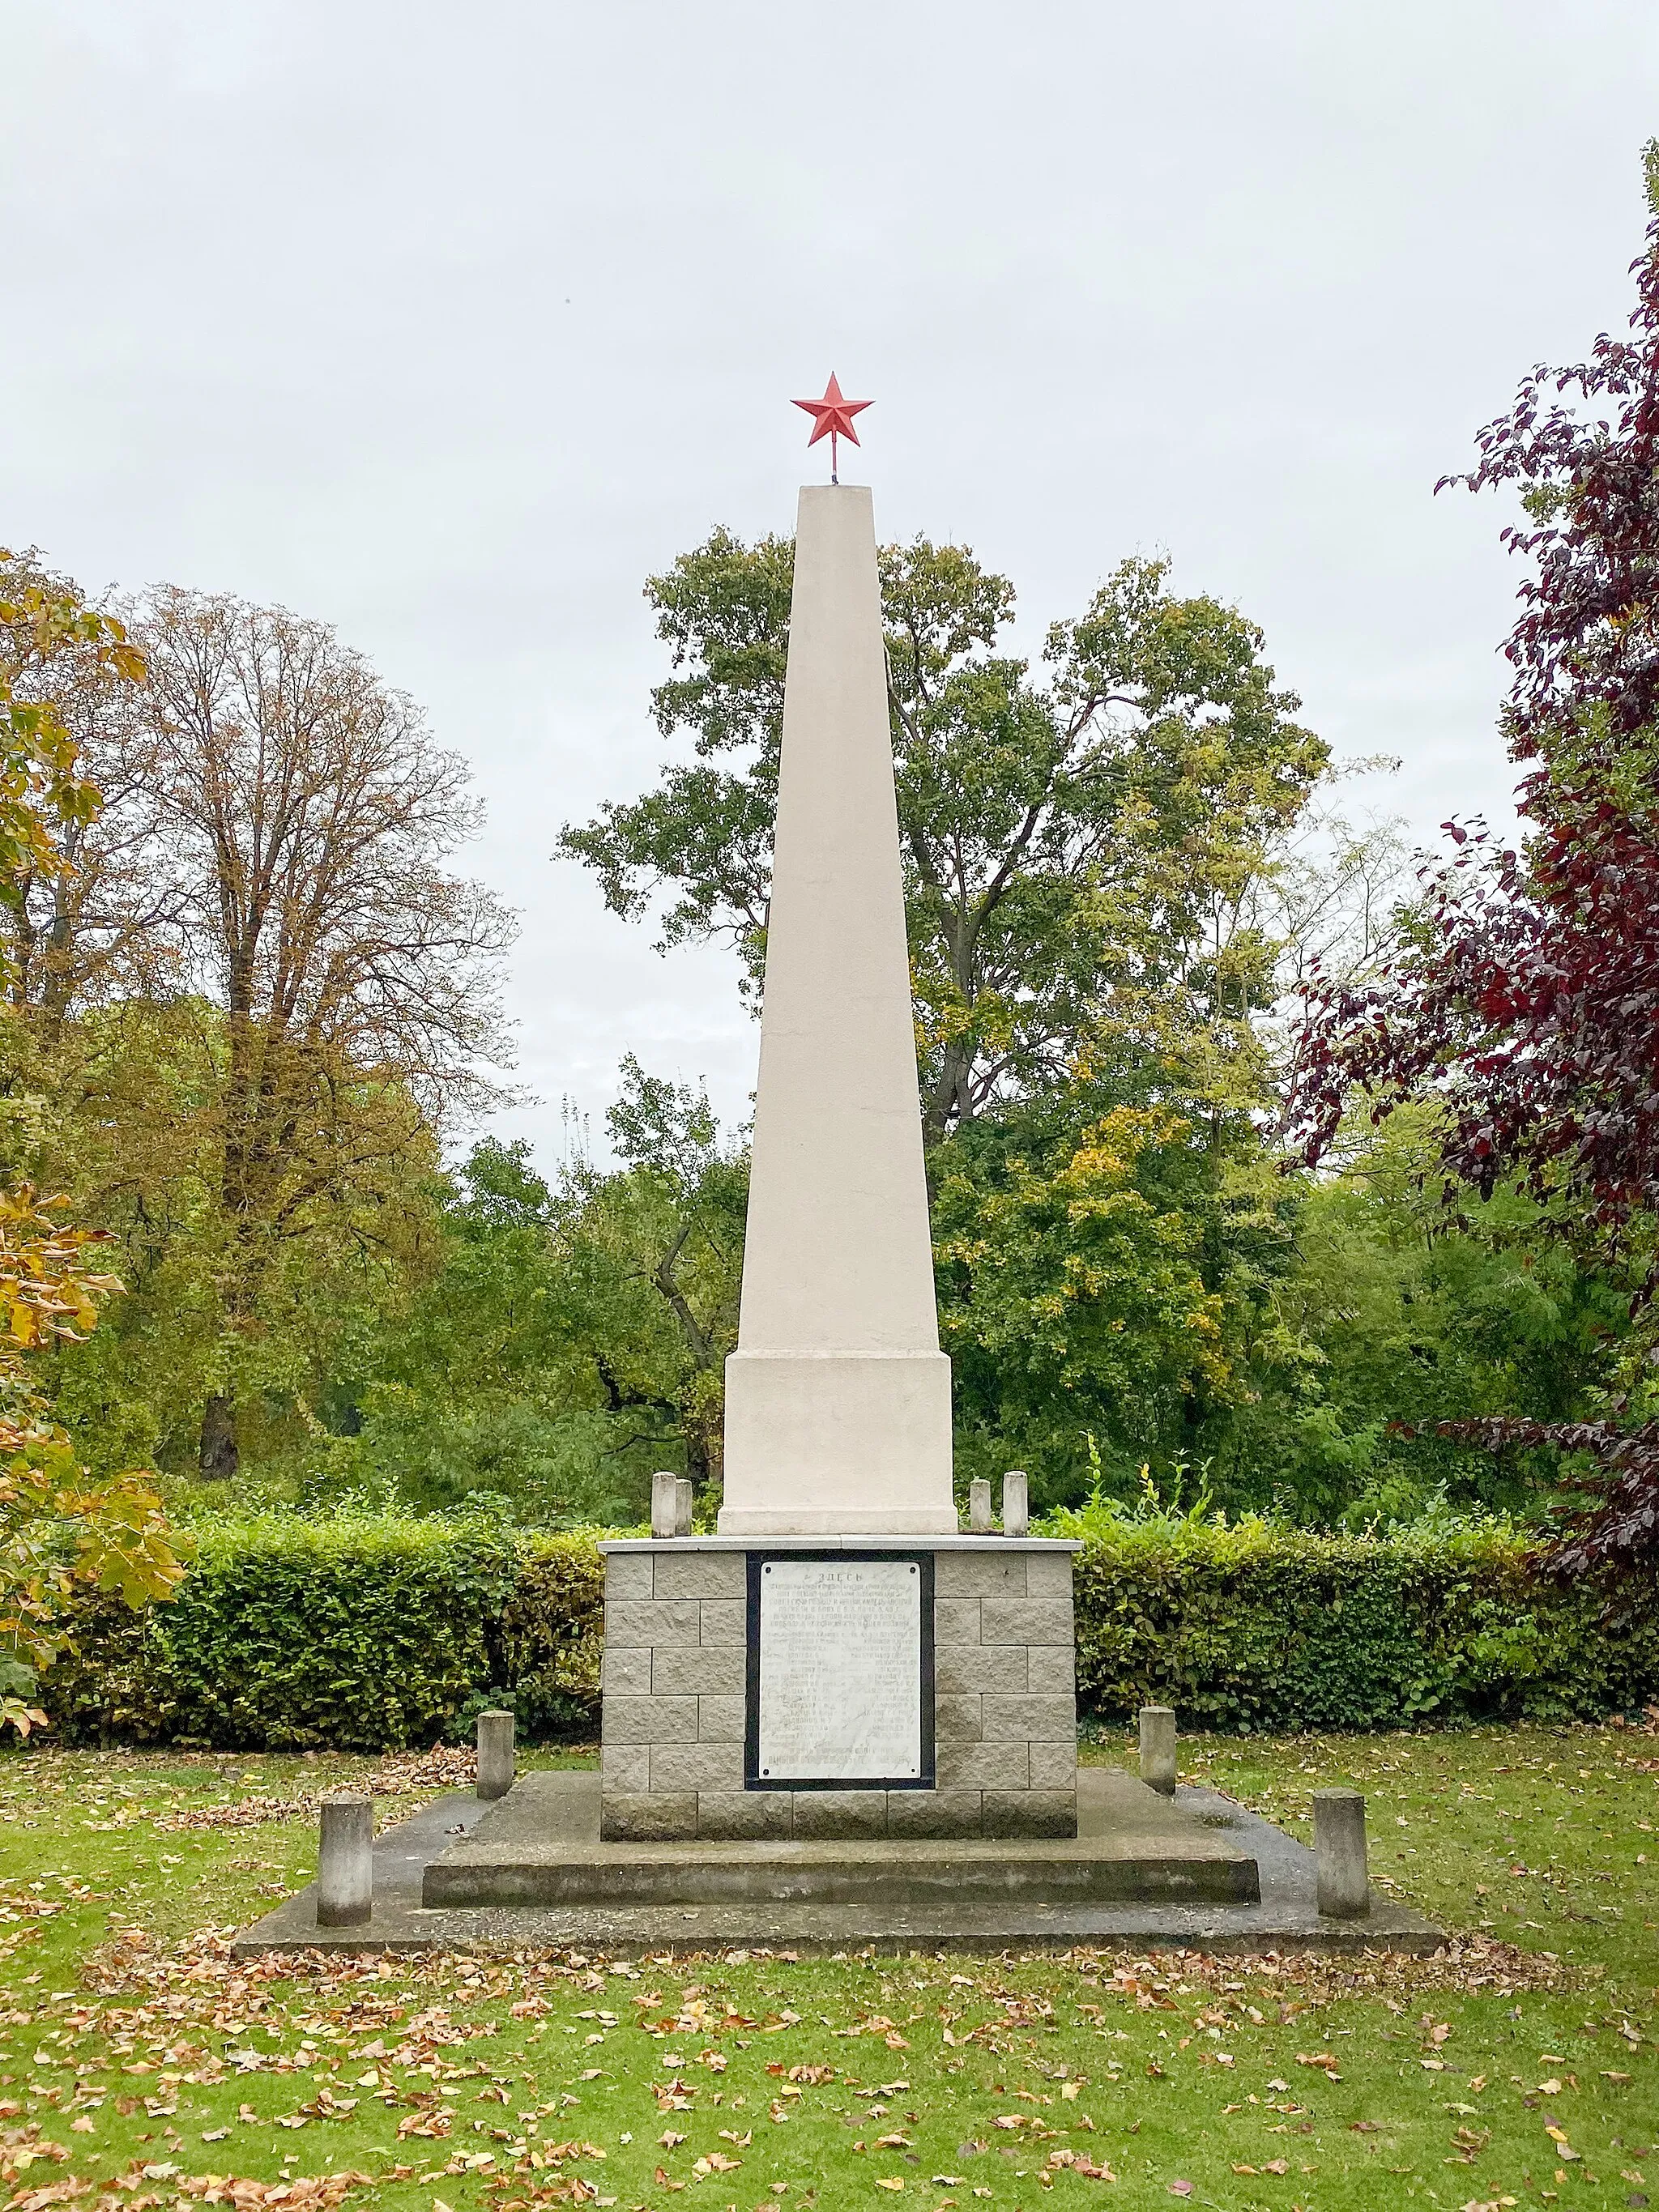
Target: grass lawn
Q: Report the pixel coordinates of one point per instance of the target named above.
(137, 2062)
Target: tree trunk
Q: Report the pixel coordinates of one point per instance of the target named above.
(219, 1456)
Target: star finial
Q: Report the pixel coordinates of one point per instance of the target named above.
(832, 417)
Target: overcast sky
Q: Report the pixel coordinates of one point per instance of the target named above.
(449, 325)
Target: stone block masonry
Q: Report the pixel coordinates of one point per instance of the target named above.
(676, 1699)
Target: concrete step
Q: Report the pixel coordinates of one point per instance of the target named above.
(540, 1846)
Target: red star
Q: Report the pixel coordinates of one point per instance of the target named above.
(832, 415)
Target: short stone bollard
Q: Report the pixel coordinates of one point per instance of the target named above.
(664, 1504)
(980, 1523)
(345, 1862)
(1157, 1748)
(1016, 1504)
(682, 1505)
(1344, 1889)
(495, 1754)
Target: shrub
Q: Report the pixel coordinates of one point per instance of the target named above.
(369, 1632)
(1261, 1627)
(358, 1634)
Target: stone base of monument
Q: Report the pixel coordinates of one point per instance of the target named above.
(530, 1870)
(541, 1845)
(810, 1688)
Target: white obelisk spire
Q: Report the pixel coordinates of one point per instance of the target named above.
(838, 1397)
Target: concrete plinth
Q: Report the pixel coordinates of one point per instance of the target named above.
(538, 1847)
(1284, 1918)
(845, 1440)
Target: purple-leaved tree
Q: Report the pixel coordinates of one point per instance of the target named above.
(1526, 999)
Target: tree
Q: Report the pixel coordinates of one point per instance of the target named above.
(47, 800)
(1080, 1295)
(1396, 1317)
(1527, 1001)
(686, 1200)
(1093, 833)
(56, 1528)
(575, 1339)
(91, 916)
(129, 1119)
(305, 818)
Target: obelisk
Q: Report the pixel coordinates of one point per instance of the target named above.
(837, 1397)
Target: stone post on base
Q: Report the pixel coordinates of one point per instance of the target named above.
(838, 1661)
(1343, 1880)
(1157, 1748)
(496, 1754)
(345, 1862)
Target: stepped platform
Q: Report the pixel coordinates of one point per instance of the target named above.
(530, 1870)
(539, 1845)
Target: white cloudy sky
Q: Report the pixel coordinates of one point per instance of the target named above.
(450, 323)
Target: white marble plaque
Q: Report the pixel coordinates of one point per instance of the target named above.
(839, 1671)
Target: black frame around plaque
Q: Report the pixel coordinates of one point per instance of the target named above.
(752, 1777)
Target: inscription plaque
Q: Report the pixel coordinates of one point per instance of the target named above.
(840, 1688)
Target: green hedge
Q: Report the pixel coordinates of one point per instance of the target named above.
(358, 1635)
(1266, 1628)
(365, 1635)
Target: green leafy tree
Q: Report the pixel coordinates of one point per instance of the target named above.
(683, 1204)
(574, 1338)
(130, 1128)
(1396, 1317)
(57, 1527)
(1097, 828)
(266, 898)
(47, 800)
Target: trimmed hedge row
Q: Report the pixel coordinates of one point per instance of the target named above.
(354, 1635)
(1258, 1627)
(368, 1635)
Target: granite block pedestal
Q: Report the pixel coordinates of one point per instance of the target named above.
(684, 1694)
